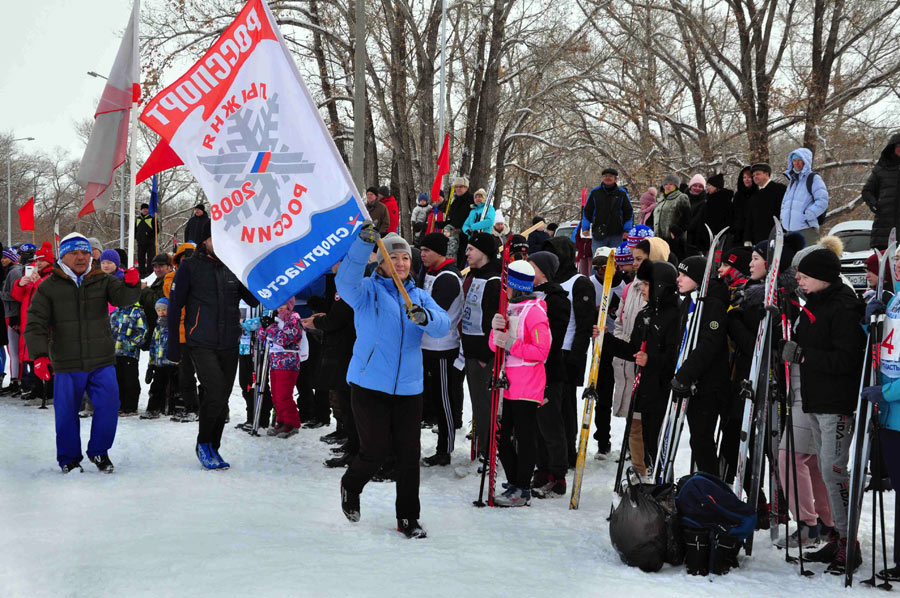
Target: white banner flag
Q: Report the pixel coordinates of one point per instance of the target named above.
(283, 205)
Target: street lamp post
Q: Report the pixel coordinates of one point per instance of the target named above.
(121, 186)
(9, 190)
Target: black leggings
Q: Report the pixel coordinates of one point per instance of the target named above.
(518, 456)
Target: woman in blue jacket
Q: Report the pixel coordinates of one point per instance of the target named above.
(385, 372)
(478, 220)
(806, 197)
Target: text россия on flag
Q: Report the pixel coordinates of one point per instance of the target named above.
(283, 205)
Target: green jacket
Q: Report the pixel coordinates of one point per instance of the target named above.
(70, 324)
(671, 216)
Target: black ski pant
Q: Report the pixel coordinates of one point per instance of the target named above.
(518, 441)
(652, 422)
(703, 437)
(187, 379)
(478, 377)
(129, 385)
(606, 383)
(145, 254)
(570, 420)
(890, 448)
(312, 394)
(245, 380)
(439, 390)
(343, 412)
(388, 425)
(216, 369)
(551, 442)
(161, 388)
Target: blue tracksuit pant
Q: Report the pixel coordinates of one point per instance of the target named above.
(68, 390)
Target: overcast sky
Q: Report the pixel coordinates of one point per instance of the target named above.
(48, 46)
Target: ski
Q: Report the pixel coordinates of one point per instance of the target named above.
(663, 470)
(260, 380)
(862, 425)
(498, 383)
(892, 258)
(755, 390)
(590, 392)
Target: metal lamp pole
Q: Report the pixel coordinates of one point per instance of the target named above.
(9, 190)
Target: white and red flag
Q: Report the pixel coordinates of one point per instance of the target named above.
(108, 143)
(282, 203)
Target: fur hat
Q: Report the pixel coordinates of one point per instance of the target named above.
(460, 181)
(672, 179)
(717, 180)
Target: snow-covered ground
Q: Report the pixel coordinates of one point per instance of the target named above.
(272, 526)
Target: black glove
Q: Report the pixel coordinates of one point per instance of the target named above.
(417, 314)
(873, 307)
(791, 351)
(148, 377)
(680, 390)
(265, 322)
(368, 233)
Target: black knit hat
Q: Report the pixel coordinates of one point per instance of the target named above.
(384, 190)
(738, 258)
(485, 243)
(536, 219)
(611, 171)
(761, 166)
(546, 262)
(145, 206)
(200, 207)
(436, 242)
(518, 244)
(821, 264)
(717, 180)
(694, 267)
(373, 190)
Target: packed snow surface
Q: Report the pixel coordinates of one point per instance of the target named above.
(272, 526)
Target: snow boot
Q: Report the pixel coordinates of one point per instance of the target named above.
(350, 504)
(513, 497)
(539, 478)
(313, 425)
(71, 467)
(337, 462)
(827, 553)
(275, 430)
(103, 463)
(222, 463)
(411, 528)
(12, 390)
(207, 456)
(725, 553)
(696, 550)
(150, 415)
(189, 417)
(838, 565)
(554, 488)
(892, 574)
(806, 535)
(288, 431)
(336, 437)
(437, 459)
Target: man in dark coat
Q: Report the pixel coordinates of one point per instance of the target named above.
(145, 237)
(457, 212)
(608, 209)
(718, 211)
(882, 193)
(210, 295)
(194, 226)
(763, 205)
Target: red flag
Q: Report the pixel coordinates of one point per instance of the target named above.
(26, 215)
(163, 157)
(443, 165)
(106, 147)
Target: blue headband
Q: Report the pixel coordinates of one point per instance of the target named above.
(74, 244)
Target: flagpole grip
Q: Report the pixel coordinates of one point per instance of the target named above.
(390, 266)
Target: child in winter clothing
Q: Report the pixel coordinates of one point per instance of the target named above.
(161, 371)
(419, 218)
(128, 328)
(524, 332)
(284, 336)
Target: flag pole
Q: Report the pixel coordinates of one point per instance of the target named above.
(132, 175)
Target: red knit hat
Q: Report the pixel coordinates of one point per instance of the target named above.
(45, 253)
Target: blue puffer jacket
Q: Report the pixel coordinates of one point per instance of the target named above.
(387, 354)
(474, 222)
(799, 209)
(889, 376)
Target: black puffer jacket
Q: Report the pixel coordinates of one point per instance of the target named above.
(707, 365)
(828, 330)
(740, 204)
(558, 309)
(608, 211)
(584, 307)
(659, 324)
(340, 334)
(882, 194)
(210, 294)
(717, 213)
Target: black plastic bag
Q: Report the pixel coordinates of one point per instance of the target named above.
(637, 527)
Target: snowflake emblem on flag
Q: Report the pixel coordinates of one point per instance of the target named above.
(255, 154)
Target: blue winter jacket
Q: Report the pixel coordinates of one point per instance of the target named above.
(387, 354)
(474, 222)
(889, 374)
(799, 208)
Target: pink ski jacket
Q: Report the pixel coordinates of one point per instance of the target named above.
(525, 359)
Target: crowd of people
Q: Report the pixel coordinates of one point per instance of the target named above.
(386, 360)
